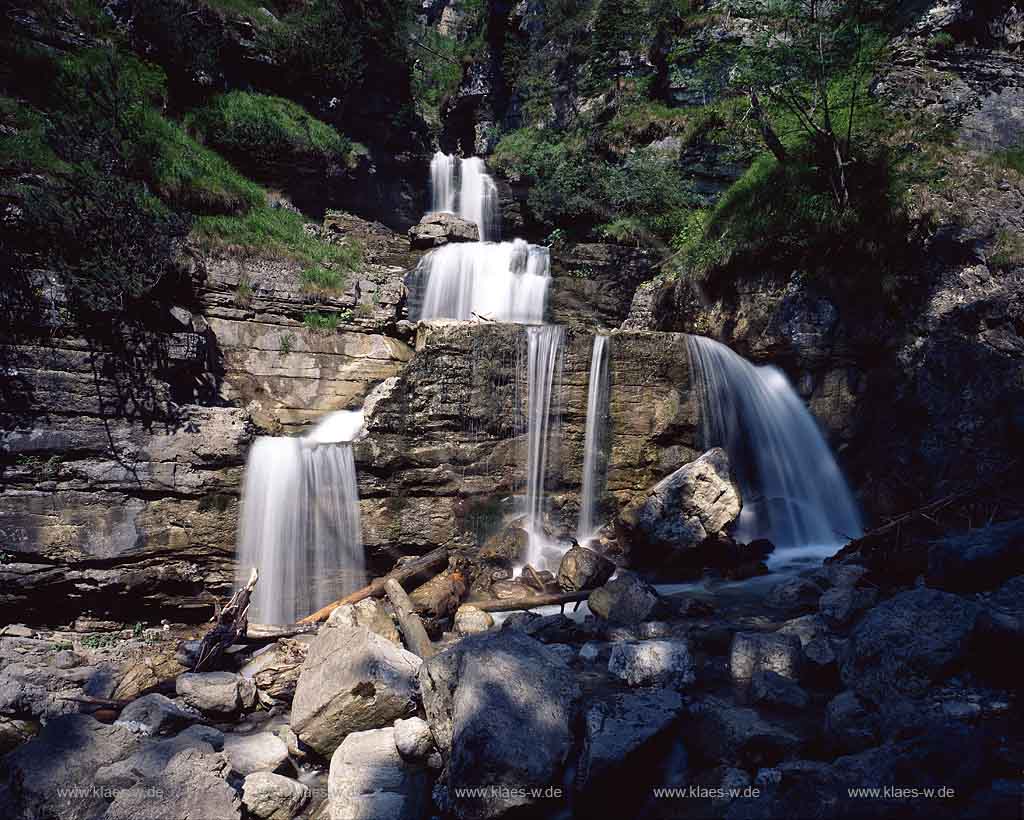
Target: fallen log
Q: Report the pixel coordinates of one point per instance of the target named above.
(232, 621)
(271, 632)
(405, 573)
(409, 622)
(531, 602)
(440, 596)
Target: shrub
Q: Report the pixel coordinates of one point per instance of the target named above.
(321, 322)
(267, 130)
(940, 43)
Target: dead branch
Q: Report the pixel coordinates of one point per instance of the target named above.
(409, 622)
(232, 622)
(530, 602)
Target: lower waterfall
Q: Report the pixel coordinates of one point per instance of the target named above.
(543, 374)
(794, 493)
(594, 447)
(300, 523)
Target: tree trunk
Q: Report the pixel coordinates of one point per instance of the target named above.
(771, 139)
(531, 601)
(409, 622)
(232, 622)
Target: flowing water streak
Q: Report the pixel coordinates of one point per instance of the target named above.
(442, 182)
(594, 451)
(501, 281)
(478, 198)
(793, 490)
(300, 521)
(543, 366)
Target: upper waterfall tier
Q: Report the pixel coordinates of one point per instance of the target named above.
(501, 281)
(793, 490)
(463, 186)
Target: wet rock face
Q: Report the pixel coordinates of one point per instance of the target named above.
(436, 229)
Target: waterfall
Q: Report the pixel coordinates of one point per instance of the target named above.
(502, 281)
(478, 198)
(442, 182)
(594, 440)
(300, 521)
(543, 372)
(793, 491)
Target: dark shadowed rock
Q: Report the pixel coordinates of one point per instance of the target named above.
(773, 690)
(626, 600)
(908, 643)
(155, 714)
(620, 736)
(724, 733)
(840, 605)
(697, 502)
(764, 651)
(794, 595)
(500, 709)
(582, 568)
(849, 726)
(352, 680)
(978, 560)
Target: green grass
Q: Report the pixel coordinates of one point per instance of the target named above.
(319, 279)
(23, 145)
(321, 322)
(1011, 159)
(1008, 252)
(267, 130)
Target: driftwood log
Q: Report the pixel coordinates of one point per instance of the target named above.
(231, 622)
(409, 622)
(530, 602)
(407, 573)
(441, 595)
(271, 632)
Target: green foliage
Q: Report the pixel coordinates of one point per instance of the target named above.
(321, 322)
(318, 279)
(267, 130)
(287, 342)
(437, 63)
(940, 43)
(1008, 252)
(23, 146)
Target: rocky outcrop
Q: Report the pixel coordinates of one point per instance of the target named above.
(978, 560)
(439, 228)
(592, 284)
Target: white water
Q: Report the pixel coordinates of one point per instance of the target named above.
(300, 521)
(442, 182)
(500, 281)
(794, 493)
(543, 373)
(594, 452)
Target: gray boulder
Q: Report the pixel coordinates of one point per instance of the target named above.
(806, 628)
(697, 502)
(652, 663)
(219, 694)
(155, 714)
(269, 796)
(618, 729)
(501, 710)
(979, 560)
(582, 568)
(352, 680)
(275, 668)
(369, 613)
(625, 600)
(413, 738)
(764, 651)
(440, 228)
(840, 605)
(151, 757)
(368, 780)
(258, 752)
(469, 620)
(909, 643)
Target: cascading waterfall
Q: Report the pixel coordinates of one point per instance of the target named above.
(543, 372)
(794, 493)
(501, 281)
(594, 440)
(478, 199)
(442, 182)
(300, 521)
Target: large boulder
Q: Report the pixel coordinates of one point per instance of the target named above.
(908, 644)
(268, 796)
(724, 733)
(155, 714)
(652, 663)
(849, 726)
(754, 652)
(621, 734)
(775, 691)
(257, 752)
(978, 560)
(626, 600)
(43, 777)
(582, 568)
(219, 694)
(501, 711)
(697, 502)
(352, 680)
(369, 613)
(439, 228)
(368, 780)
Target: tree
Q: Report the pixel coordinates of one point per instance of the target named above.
(807, 61)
